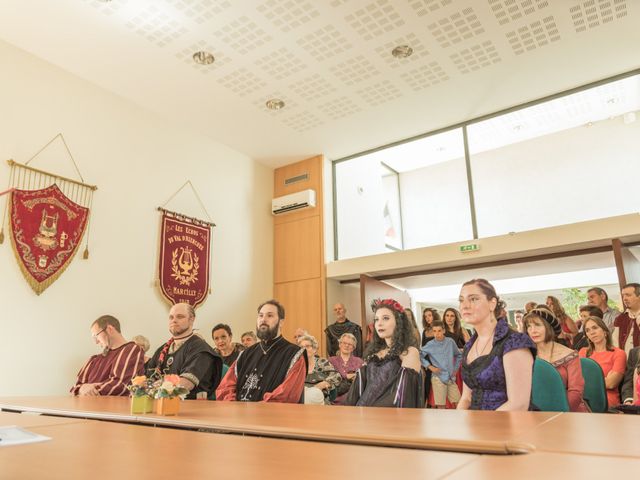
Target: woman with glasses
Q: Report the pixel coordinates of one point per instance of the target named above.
(321, 377)
(346, 364)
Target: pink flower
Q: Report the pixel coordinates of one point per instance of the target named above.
(174, 379)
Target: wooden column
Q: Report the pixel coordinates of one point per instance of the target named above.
(627, 265)
(299, 268)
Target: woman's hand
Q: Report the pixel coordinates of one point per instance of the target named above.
(322, 385)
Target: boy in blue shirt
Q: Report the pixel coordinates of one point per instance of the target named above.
(442, 357)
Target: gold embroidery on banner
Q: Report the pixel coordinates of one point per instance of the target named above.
(184, 265)
(50, 201)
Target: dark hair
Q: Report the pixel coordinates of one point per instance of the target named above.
(411, 318)
(593, 310)
(402, 335)
(607, 334)
(549, 334)
(600, 291)
(222, 326)
(457, 326)
(438, 323)
(105, 320)
(489, 291)
(276, 304)
(434, 313)
(635, 286)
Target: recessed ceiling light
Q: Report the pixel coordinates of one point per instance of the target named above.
(203, 58)
(402, 51)
(275, 104)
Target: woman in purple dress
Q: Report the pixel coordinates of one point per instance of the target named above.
(346, 364)
(497, 362)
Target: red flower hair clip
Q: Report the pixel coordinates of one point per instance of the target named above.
(389, 303)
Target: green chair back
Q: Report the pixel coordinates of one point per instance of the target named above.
(548, 392)
(595, 390)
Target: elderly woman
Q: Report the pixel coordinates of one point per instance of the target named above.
(346, 364)
(611, 359)
(390, 376)
(321, 376)
(143, 343)
(543, 328)
(497, 362)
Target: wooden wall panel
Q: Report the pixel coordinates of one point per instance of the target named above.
(299, 269)
(303, 302)
(297, 250)
(313, 167)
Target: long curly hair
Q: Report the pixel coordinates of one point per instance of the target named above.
(402, 335)
(434, 314)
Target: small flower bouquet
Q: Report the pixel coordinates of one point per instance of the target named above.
(168, 393)
(141, 400)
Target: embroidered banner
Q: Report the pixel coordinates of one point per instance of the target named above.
(184, 260)
(46, 229)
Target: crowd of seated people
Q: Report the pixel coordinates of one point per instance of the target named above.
(467, 358)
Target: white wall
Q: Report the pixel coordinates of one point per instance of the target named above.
(575, 175)
(137, 160)
(435, 205)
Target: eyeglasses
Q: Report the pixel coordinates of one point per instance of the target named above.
(347, 344)
(95, 335)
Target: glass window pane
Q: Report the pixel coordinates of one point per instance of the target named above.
(572, 159)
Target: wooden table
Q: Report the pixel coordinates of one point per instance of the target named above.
(450, 430)
(92, 449)
(588, 434)
(543, 465)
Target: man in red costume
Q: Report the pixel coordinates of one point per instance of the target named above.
(109, 372)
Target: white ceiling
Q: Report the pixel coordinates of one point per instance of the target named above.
(329, 60)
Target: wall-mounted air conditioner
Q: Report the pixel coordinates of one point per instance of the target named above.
(295, 201)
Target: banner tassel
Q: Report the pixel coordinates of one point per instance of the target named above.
(85, 254)
(1, 236)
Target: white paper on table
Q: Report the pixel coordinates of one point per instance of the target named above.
(12, 435)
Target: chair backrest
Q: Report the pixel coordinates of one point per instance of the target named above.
(595, 390)
(548, 392)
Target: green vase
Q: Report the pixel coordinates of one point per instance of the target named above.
(142, 404)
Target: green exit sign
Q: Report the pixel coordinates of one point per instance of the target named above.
(472, 247)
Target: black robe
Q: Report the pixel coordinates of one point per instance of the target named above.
(259, 372)
(195, 358)
(336, 330)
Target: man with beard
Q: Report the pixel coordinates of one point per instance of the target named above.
(109, 372)
(343, 325)
(272, 370)
(187, 355)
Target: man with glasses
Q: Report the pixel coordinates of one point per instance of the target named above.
(109, 372)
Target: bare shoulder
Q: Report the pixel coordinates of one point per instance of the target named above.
(411, 359)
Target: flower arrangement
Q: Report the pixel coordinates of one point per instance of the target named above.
(167, 387)
(140, 386)
(387, 303)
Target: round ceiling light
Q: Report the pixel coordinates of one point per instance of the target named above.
(275, 104)
(402, 51)
(203, 58)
